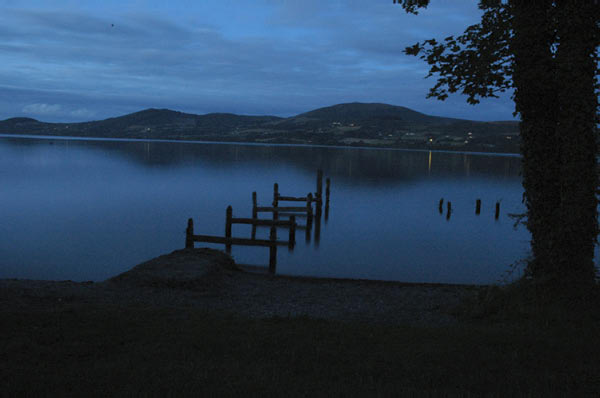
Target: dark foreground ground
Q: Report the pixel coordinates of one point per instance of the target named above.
(157, 330)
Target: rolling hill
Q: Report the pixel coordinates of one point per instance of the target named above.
(361, 124)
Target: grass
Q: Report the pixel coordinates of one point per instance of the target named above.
(116, 351)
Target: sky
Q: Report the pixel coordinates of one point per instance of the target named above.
(79, 60)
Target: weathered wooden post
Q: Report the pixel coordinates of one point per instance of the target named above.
(292, 236)
(497, 210)
(478, 206)
(228, 216)
(254, 214)
(449, 208)
(273, 250)
(441, 206)
(318, 209)
(275, 200)
(189, 234)
(275, 194)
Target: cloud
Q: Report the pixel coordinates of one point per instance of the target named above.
(42, 109)
(82, 113)
(275, 57)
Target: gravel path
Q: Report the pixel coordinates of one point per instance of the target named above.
(209, 279)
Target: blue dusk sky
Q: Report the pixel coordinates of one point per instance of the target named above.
(77, 60)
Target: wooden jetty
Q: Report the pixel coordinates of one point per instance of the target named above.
(316, 198)
(271, 243)
(230, 220)
(277, 211)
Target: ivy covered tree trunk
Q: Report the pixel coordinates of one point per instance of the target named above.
(578, 102)
(536, 102)
(554, 80)
(547, 51)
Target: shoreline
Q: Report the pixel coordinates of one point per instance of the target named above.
(191, 323)
(209, 280)
(249, 143)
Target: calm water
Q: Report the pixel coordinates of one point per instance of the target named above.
(87, 210)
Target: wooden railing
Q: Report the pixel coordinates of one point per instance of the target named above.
(271, 243)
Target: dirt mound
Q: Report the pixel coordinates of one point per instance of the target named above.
(180, 269)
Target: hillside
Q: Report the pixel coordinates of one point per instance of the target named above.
(166, 120)
(356, 111)
(150, 123)
(354, 124)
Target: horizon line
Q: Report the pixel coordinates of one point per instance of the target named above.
(264, 115)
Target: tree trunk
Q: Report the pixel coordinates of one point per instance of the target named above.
(554, 94)
(575, 81)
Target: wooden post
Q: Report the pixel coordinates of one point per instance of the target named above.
(275, 200)
(292, 237)
(319, 210)
(497, 210)
(449, 205)
(441, 206)
(228, 216)
(273, 250)
(189, 234)
(478, 206)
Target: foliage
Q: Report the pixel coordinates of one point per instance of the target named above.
(547, 52)
(478, 62)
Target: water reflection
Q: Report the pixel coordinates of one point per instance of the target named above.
(371, 166)
(95, 208)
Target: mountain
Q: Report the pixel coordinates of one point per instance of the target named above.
(356, 111)
(165, 118)
(372, 124)
(386, 118)
(150, 123)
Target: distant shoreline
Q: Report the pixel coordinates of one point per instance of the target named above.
(217, 142)
(354, 125)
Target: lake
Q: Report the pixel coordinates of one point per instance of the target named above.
(90, 209)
